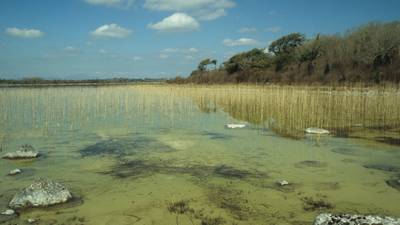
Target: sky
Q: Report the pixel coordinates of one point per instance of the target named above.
(88, 39)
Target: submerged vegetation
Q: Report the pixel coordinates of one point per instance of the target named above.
(369, 54)
(125, 146)
(312, 204)
(142, 168)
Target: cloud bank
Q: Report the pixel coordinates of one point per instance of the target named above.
(111, 31)
(239, 42)
(24, 33)
(113, 3)
(177, 22)
(200, 9)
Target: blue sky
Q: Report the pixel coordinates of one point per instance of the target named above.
(81, 39)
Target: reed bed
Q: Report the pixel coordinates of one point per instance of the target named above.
(287, 110)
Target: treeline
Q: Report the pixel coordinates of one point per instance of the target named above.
(41, 81)
(370, 54)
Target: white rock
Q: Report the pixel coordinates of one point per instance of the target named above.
(315, 130)
(283, 183)
(14, 172)
(348, 219)
(31, 220)
(8, 212)
(234, 126)
(26, 152)
(42, 192)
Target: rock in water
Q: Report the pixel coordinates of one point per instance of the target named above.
(8, 212)
(8, 215)
(14, 172)
(234, 126)
(315, 130)
(26, 152)
(347, 219)
(42, 192)
(30, 220)
(283, 183)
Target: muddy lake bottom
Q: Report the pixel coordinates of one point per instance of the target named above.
(136, 158)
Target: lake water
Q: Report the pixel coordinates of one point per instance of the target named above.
(131, 152)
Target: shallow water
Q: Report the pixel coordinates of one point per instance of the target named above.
(132, 152)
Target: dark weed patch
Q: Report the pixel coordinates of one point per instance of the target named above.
(232, 201)
(217, 136)
(234, 173)
(382, 167)
(394, 183)
(345, 151)
(230, 172)
(212, 221)
(143, 168)
(389, 140)
(311, 204)
(311, 163)
(180, 207)
(125, 146)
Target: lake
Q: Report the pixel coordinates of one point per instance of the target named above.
(162, 154)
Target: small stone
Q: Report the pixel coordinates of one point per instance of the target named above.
(283, 183)
(8, 212)
(30, 220)
(14, 172)
(234, 126)
(315, 130)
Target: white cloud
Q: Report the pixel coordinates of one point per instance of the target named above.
(247, 30)
(189, 57)
(136, 58)
(71, 49)
(163, 56)
(273, 29)
(112, 31)
(201, 9)
(103, 2)
(102, 51)
(193, 50)
(115, 3)
(239, 42)
(170, 50)
(177, 22)
(208, 14)
(24, 33)
(180, 50)
(179, 5)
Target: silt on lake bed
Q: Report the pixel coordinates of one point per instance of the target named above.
(162, 154)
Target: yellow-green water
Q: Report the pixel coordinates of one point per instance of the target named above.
(170, 150)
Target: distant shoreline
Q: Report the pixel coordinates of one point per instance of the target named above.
(72, 83)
